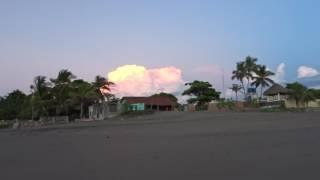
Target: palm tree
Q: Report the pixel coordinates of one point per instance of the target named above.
(40, 85)
(245, 70)
(64, 77)
(82, 92)
(236, 88)
(250, 65)
(40, 91)
(61, 90)
(239, 74)
(262, 78)
(103, 86)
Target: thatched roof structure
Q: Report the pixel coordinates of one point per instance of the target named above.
(276, 89)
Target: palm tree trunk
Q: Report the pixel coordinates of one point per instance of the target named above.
(103, 110)
(81, 110)
(244, 89)
(237, 96)
(32, 111)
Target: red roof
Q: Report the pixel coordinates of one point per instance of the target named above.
(153, 100)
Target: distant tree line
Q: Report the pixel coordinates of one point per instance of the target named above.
(66, 95)
(249, 73)
(63, 95)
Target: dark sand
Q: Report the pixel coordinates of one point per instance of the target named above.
(186, 146)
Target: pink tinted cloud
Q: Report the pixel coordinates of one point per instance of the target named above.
(133, 80)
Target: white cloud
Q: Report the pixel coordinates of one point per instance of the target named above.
(305, 71)
(280, 73)
(133, 80)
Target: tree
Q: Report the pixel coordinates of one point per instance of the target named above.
(40, 86)
(262, 78)
(2, 110)
(236, 88)
(63, 95)
(12, 105)
(201, 92)
(245, 70)
(26, 110)
(315, 92)
(103, 87)
(300, 93)
(61, 91)
(82, 92)
(64, 77)
(239, 74)
(308, 96)
(40, 96)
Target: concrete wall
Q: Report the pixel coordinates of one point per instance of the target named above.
(190, 108)
(103, 111)
(238, 106)
(312, 104)
(277, 97)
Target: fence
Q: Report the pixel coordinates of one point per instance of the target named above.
(44, 121)
(54, 120)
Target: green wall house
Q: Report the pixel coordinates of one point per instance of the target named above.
(152, 103)
(137, 107)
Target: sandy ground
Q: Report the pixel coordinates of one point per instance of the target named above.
(166, 146)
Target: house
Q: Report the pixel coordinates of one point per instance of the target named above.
(157, 103)
(277, 96)
(277, 93)
(105, 110)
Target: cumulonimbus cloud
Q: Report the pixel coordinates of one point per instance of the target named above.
(307, 72)
(134, 80)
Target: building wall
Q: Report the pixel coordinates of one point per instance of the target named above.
(103, 111)
(189, 108)
(312, 104)
(212, 107)
(277, 98)
(137, 107)
(291, 104)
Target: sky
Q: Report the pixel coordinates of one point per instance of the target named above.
(200, 39)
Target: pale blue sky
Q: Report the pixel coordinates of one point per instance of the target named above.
(95, 36)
